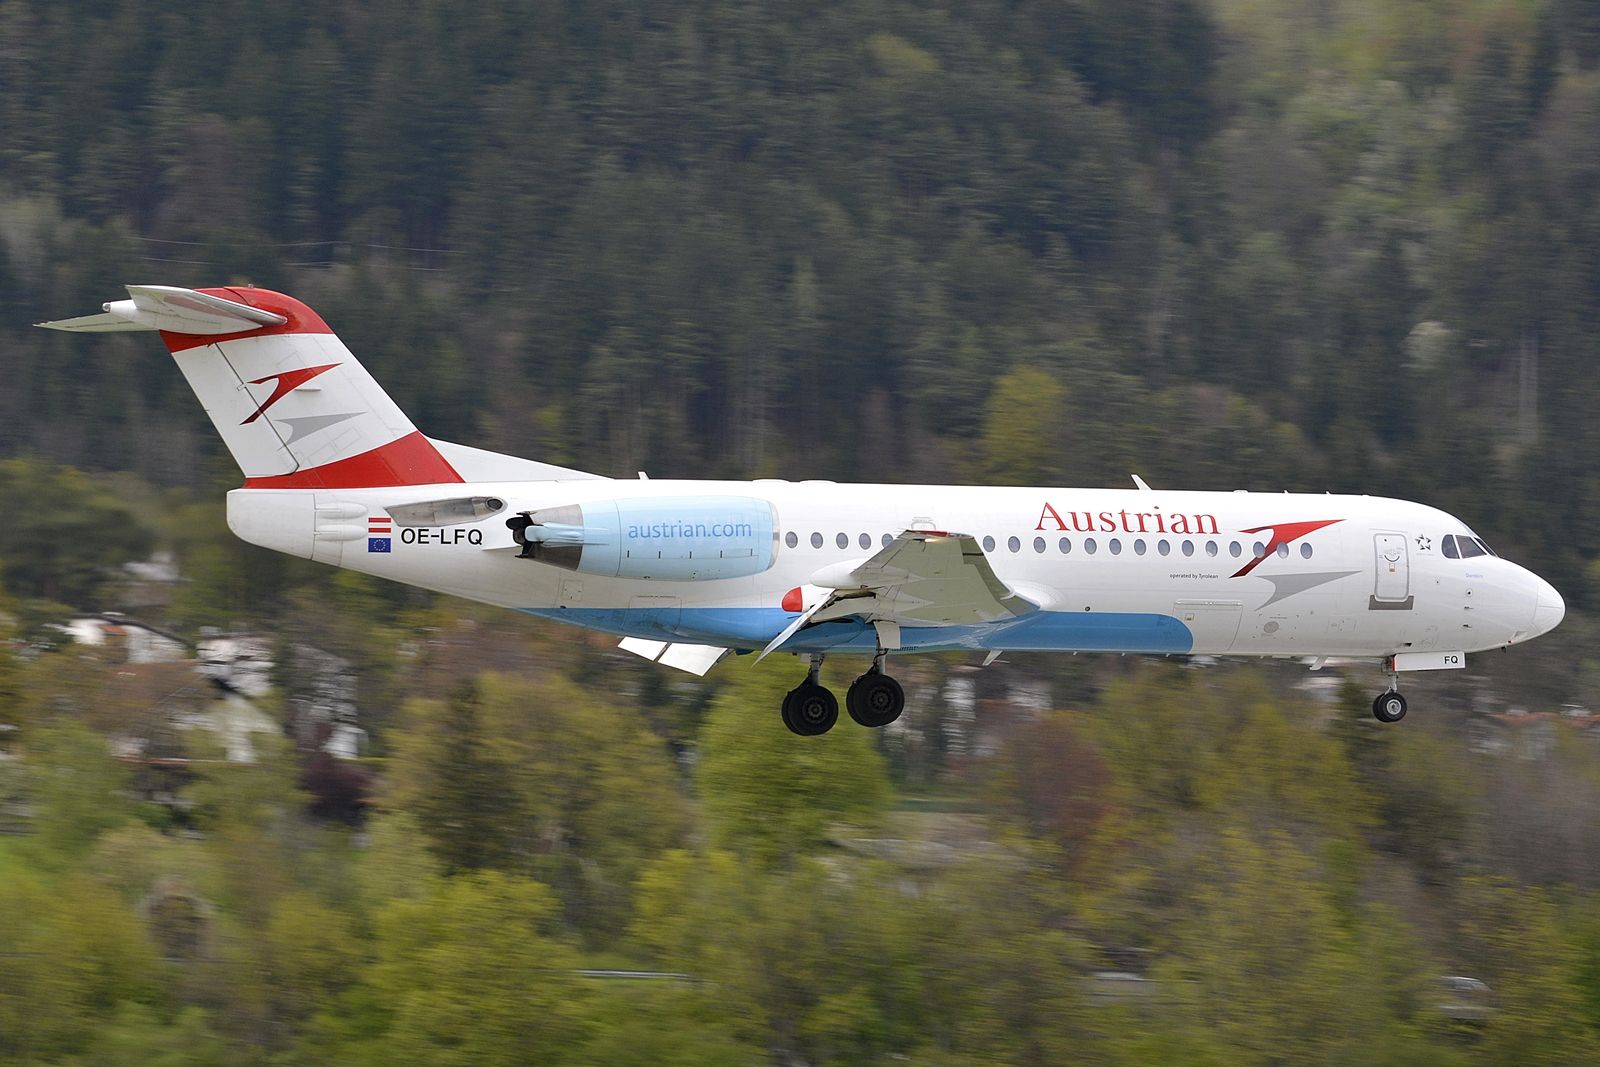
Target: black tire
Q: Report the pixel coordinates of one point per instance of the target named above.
(812, 709)
(788, 706)
(875, 700)
(1389, 707)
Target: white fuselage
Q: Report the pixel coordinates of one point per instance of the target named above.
(1111, 570)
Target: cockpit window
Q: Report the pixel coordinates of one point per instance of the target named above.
(1480, 542)
(1464, 546)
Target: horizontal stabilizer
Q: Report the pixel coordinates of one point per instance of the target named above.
(166, 307)
(107, 323)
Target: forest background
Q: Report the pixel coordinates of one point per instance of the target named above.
(1351, 246)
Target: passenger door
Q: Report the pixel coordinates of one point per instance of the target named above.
(1391, 558)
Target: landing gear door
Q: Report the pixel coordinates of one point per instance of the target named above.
(1392, 588)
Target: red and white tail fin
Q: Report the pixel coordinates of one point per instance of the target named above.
(295, 408)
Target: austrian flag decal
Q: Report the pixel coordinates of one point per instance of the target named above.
(380, 533)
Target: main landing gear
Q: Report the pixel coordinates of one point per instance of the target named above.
(1390, 705)
(874, 700)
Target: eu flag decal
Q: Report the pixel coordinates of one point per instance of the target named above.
(379, 529)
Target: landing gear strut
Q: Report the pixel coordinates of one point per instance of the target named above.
(810, 709)
(1390, 705)
(875, 699)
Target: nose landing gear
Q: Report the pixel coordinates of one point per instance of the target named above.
(1389, 707)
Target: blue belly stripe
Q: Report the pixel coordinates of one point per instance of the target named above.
(752, 628)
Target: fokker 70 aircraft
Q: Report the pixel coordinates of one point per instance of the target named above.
(687, 571)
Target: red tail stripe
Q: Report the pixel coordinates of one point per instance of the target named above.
(411, 460)
(301, 318)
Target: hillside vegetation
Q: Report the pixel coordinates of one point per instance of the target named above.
(1259, 244)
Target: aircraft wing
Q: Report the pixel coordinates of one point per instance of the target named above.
(925, 578)
(921, 578)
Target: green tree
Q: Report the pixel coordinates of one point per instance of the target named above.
(770, 795)
(540, 777)
(1267, 965)
(79, 790)
(137, 1036)
(310, 954)
(473, 973)
(1022, 429)
(64, 537)
(455, 776)
(73, 953)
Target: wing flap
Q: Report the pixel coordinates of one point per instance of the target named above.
(937, 579)
(921, 578)
(696, 659)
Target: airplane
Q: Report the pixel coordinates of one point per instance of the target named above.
(685, 572)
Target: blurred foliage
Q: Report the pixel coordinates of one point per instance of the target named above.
(1221, 243)
(770, 797)
(64, 537)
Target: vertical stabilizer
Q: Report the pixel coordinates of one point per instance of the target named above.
(293, 405)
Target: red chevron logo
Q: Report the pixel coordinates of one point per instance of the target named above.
(1282, 534)
(287, 380)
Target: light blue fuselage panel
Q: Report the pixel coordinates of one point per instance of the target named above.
(752, 628)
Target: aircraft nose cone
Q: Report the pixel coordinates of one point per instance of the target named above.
(1549, 609)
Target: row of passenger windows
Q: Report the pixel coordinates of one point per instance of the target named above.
(1090, 546)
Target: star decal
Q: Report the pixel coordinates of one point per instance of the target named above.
(1424, 543)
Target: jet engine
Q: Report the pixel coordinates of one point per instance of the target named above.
(675, 539)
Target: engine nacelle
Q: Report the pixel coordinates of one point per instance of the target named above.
(674, 539)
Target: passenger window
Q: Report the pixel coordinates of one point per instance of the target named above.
(1115, 544)
(988, 543)
(816, 540)
(843, 540)
(1188, 548)
(791, 539)
(1014, 544)
(1138, 546)
(1234, 549)
(1089, 545)
(888, 539)
(865, 540)
(1211, 548)
(1065, 545)
(1038, 544)
(1448, 547)
(1305, 550)
(1163, 546)
(1283, 550)
(1259, 550)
